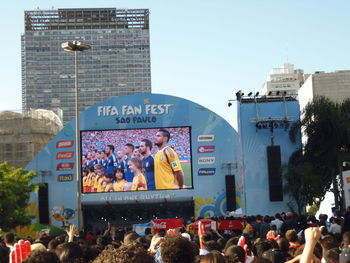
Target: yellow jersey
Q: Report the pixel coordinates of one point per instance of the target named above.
(118, 186)
(99, 184)
(166, 162)
(109, 187)
(91, 179)
(139, 183)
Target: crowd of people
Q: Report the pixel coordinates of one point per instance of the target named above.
(131, 166)
(282, 238)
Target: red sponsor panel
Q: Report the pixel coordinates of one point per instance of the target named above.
(230, 224)
(64, 144)
(166, 224)
(207, 224)
(64, 155)
(206, 149)
(64, 166)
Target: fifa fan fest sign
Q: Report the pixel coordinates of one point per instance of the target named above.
(139, 149)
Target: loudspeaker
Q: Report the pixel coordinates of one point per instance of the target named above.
(275, 173)
(230, 192)
(43, 201)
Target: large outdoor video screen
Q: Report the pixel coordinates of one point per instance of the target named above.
(136, 160)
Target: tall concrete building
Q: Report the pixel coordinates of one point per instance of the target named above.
(283, 81)
(332, 85)
(117, 64)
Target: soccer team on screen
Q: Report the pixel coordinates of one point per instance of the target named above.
(133, 169)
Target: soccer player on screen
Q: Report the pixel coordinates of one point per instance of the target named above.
(111, 159)
(128, 150)
(120, 161)
(148, 162)
(168, 171)
(104, 160)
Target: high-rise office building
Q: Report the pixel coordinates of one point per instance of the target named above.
(117, 64)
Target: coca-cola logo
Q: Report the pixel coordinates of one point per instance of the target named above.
(64, 155)
(64, 144)
(64, 166)
(160, 225)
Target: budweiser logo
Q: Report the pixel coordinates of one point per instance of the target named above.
(64, 166)
(64, 144)
(64, 155)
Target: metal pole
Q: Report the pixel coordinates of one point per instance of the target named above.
(77, 144)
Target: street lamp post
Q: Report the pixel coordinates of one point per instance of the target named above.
(77, 46)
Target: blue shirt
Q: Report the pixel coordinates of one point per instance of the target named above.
(148, 165)
(105, 163)
(128, 174)
(111, 160)
(119, 165)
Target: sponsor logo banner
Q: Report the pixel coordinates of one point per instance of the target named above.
(64, 144)
(206, 160)
(230, 224)
(166, 224)
(64, 166)
(205, 138)
(65, 177)
(220, 224)
(206, 171)
(208, 224)
(64, 155)
(206, 149)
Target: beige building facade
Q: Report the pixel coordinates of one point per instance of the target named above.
(24, 134)
(332, 85)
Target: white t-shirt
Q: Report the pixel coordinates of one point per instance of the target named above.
(335, 229)
(278, 223)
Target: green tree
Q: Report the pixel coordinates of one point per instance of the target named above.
(15, 188)
(326, 126)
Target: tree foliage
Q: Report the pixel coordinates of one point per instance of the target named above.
(326, 126)
(15, 188)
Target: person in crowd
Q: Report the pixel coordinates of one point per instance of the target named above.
(148, 163)
(176, 248)
(278, 222)
(335, 227)
(213, 257)
(289, 223)
(168, 171)
(42, 256)
(9, 240)
(264, 227)
(139, 181)
(292, 238)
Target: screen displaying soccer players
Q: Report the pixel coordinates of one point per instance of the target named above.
(136, 159)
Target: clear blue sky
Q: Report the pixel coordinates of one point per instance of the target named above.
(205, 50)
